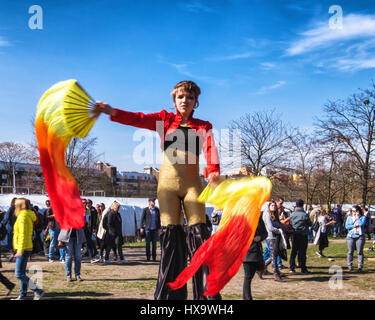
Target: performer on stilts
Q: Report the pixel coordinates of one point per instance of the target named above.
(182, 139)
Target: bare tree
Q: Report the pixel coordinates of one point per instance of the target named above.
(263, 140)
(80, 157)
(303, 161)
(329, 174)
(351, 124)
(10, 154)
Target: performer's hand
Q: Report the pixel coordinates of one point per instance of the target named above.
(214, 178)
(102, 107)
(18, 255)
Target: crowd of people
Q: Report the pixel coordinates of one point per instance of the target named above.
(301, 227)
(31, 230)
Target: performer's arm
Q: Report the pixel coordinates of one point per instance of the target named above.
(211, 154)
(135, 119)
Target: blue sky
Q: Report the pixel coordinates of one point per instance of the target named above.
(245, 55)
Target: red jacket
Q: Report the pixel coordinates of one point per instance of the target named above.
(168, 123)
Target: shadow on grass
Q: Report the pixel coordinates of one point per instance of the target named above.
(122, 280)
(366, 270)
(12, 271)
(313, 278)
(84, 295)
(130, 263)
(75, 294)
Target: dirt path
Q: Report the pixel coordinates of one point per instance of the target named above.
(137, 280)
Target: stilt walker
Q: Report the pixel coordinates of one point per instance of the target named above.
(182, 139)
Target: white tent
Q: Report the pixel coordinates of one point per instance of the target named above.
(138, 215)
(128, 222)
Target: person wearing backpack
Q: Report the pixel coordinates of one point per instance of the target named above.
(215, 219)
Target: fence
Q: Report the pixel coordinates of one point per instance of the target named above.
(95, 193)
(10, 189)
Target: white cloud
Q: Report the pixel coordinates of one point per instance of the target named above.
(355, 64)
(3, 42)
(183, 68)
(197, 6)
(355, 26)
(267, 65)
(349, 49)
(232, 57)
(266, 89)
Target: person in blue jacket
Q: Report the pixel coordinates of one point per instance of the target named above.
(355, 224)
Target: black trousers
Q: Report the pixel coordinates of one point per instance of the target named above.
(151, 238)
(249, 268)
(90, 243)
(172, 261)
(299, 247)
(5, 281)
(114, 242)
(102, 246)
(196, 235)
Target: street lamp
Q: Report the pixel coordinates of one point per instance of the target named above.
(14, 181)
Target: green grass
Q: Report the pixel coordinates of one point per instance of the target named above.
(141, 285)
(117, 281)
(231, 296)
(141, 244)
(135, 244)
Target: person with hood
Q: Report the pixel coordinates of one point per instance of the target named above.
(23, 244)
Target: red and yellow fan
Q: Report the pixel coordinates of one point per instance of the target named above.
(63, 112)
(241, 201)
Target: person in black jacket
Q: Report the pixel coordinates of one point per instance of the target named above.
(5, 281)
(112, 223)
(253, 260)
(38, 229)
(300, 222)
(150, 224)
(8, 221)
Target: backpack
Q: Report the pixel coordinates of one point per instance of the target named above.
(315, 226)
(215, 219)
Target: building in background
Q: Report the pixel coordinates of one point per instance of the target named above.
(26, 178)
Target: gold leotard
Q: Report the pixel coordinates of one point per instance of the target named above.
(179, 183)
